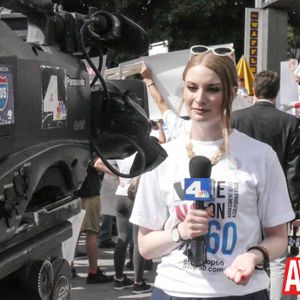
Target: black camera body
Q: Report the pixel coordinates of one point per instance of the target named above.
(51, 121)
(44, 130)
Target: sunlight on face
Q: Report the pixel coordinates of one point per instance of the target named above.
(203, 94)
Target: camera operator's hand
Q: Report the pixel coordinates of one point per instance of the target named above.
(292, 63)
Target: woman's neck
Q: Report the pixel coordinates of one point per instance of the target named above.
(206, 133)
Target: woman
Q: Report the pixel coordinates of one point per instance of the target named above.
(244, 225)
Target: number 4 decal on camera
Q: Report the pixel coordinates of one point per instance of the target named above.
(54, 100)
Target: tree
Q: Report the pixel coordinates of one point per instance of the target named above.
(183, 23)
(293, 37)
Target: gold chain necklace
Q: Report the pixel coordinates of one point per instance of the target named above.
(219, 154)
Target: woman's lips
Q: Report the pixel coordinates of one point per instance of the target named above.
(200, 110)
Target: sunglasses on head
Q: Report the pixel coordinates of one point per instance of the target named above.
(218, 50)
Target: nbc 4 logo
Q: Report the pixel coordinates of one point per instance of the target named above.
(291, 283)
(197, 189)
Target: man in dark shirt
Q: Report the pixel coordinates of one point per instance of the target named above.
(90, 202)
(280, 130)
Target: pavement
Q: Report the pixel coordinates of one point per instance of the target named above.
(83, 291)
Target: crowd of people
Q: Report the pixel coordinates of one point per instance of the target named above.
(255, 158)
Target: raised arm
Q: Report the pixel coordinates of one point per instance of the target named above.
(293, 65)
(146, 73)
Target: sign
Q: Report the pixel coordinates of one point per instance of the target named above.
(252, 30)
(167, 69)
(159, 47)
(291, 282)
(7, 101)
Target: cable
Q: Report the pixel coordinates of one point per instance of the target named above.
(99, 68)
(108, 97)
(112, 169)
(87, 57)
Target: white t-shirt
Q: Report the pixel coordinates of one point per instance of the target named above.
(175, 125)
(124, 166)
(242, 92)
(240, 102)
(247, 193)
(107, 194)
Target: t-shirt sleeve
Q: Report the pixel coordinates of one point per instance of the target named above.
(274, 204)
(174, 123)
(149, 210)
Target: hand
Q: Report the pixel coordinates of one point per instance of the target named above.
(97, 162)
(146, 72)
(195, 223)
(241, 269)
(296, 223)
(160, 123)
(293, 64)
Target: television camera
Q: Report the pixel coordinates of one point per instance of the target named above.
(52, 119)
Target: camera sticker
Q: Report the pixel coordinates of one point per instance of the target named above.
(7, 101)
(54, 108)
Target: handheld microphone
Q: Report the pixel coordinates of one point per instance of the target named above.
(199, 189)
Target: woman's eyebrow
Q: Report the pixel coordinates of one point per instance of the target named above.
(211, 83)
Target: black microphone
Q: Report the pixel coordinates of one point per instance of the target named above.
(119, 32)
(199, 167)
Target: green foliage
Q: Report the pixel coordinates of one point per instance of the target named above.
(293, 40)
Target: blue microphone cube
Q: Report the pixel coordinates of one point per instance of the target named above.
(197, 189)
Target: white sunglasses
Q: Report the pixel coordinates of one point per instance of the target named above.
(219, 50)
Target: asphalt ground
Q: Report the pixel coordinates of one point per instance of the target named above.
(83, 291)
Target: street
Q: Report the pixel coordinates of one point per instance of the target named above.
(81, 290)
